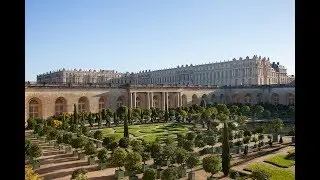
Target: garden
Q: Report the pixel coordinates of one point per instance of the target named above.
(128, 138)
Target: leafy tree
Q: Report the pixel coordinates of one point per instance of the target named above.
(103, 155)
(225, 150)
(247, 133)
(107, 141)
(27, 145)
(211, 140)
(241, 120)
(90, 148)
(245, 110)
(122, 111)
(181, 156)
(30, 174)
(183, 114)
(75, 114)
(31, 123)
(246, 139)
(125, 125)
(67, 138)
(150, 174)
(90, 120)
(266, 114)
(257, 111)
(234, 110)
(52, 134)
(98, 135)
(169, 140)
(118, 157)
(169, 152)
(276, 125)
(124, 142)
(85, 130)
(79, 174)
(113, 146)
(78, 142)
(169, 174)
(188, 145)
(133, 161)
(192, 160)
(145, 156)
(155, 150)
(190, 136)
(212, 164)
(35, 151)
(223, 109)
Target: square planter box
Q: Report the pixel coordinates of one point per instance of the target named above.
(133, 178)
(81, 156)
(91, 160)
(68, 149)
(293, 139)
(35, 164)
(275, 138)
(192, 176)
(56, 145)
(61, 147)
(119, 174)
(102, 166)
(51, 143)
(75, 153)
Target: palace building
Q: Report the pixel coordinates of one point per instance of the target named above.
(244, 71)
(45, 100)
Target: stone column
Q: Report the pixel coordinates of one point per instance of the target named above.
(134, 99)
(178, 99)
(163, 101)
(148, 100)
(167, 100)
(151, 94)
(130, 99)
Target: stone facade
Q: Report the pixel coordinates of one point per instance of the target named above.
(47, 100)
(244, 71)
(78, 76)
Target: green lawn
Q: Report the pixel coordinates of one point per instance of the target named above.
(276, 173)
(148, 132)
(281, 161)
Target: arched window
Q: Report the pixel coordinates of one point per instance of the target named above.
(60, 106)
(221, 98)
(291, 99)
(194, 99)
(102, 103)
(156, 102)
(138, 102)
(34, 108)
(213, 98)
(247, 99)
(120, 101)
(259, 98)
(184, 100)
(275, 99)
(83, 104)
(235, 98)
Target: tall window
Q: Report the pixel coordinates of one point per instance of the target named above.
(60, 106)
(156, 102)
(291, 99)
(34, 108)
(138, 102)
(213, 97)
(221, 98)
(259, 98)
(120, 101)
(82, 104)
(102, 103)
(194, 99)
(184, 100)
(275, 98)
(247, 99)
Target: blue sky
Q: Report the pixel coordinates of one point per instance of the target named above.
(127, 35)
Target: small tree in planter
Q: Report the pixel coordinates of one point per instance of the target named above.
(79, 174)
(34, 153)
(85, 130)
(31, 123)
(67, 138)
(188, 145)
(38, 129)
(169, 174)
(52, 136)
(276, 125)
(103, 157)
(77, 143)
(145, 157)
(90, 149)
(150, 174)
(133, 163)
(118, 160)
(192, 161)
(181, 156)
(212, 164)
(98, 135)
(113, 146)
(124, 142)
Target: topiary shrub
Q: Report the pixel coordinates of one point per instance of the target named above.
(260, 174)
(124, 142)
(85, 130)
(150, 174)
(247, 133)
(27, 145)
(169, 174)
(38, 129)
(98, 135)
(79, 174)
(200, 144)
(103, 155)
(67, 138)
(31, 123)
(52, 135)
(90, 148)
(35, 151)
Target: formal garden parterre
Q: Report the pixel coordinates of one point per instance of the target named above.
(162, 144)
